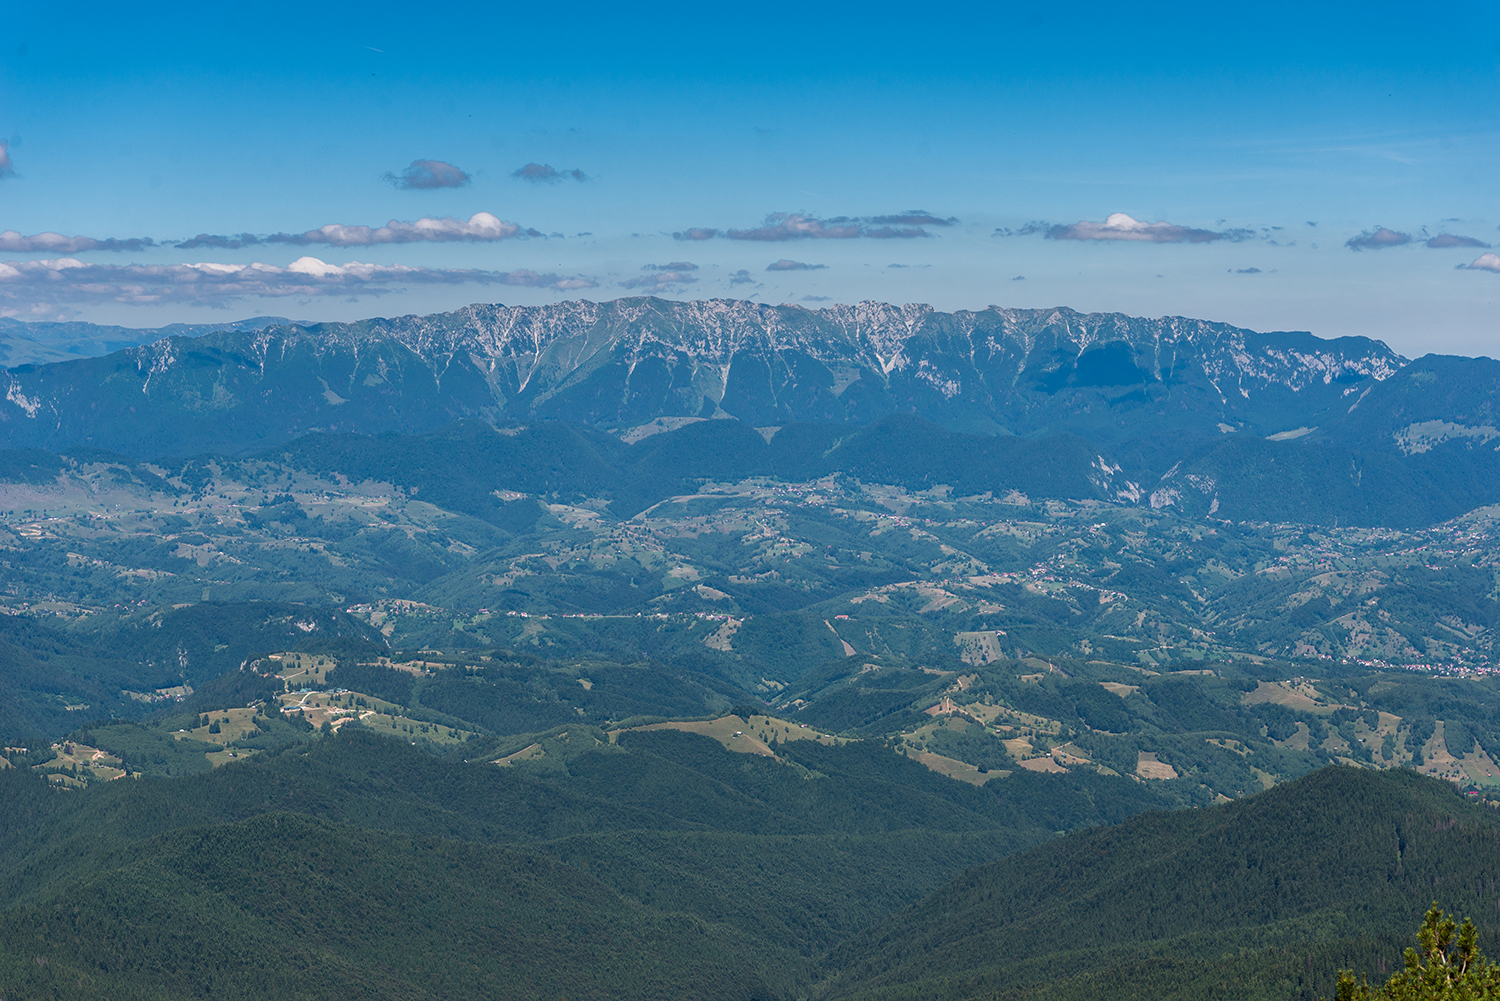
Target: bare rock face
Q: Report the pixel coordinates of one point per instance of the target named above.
(1145, 391)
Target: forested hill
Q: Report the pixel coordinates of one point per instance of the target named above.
(668, 867)
(659, 865)
(1333, 869)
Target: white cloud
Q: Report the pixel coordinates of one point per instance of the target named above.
(1484, 262)
(481, 227)
(1120, 226)
(316, 268)
(7, 169)
(26, 285)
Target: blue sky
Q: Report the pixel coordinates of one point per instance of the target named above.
(960, 155)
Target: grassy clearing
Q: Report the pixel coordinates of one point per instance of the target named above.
(1476, 767)
(962, 771)
(1148, 766)
(552, 749)
(528, 753)
(1025, 721)
(979, 648)
(302, 669)
(223, 726)
(76, 765)
(1071, 754)
(340, 709)
(760, 734)
(754, 735)
(1297, 696)
(224, 757)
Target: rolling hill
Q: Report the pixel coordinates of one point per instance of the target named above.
(1337, 867)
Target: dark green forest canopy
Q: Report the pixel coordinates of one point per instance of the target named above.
(1342, 854)
(394, 873)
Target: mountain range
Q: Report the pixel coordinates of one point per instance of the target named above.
(1175, 412)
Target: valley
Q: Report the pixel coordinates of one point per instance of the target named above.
(747, 706)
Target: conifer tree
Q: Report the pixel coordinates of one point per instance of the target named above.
(1448, 967)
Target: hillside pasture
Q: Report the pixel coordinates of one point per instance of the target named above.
(299, 670)
(232, 725)
(342, 708)
(961, 771)
(744, 736)
(1149, 766)
(76, 765)
(1296, 696)
(1476, 767)
(221, 758)
(528, 753)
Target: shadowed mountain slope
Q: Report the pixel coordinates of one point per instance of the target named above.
(1336, 856)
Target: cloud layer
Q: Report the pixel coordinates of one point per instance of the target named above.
(425, 174)
(481, 227)
(786, 265)
(1122, 227)
(545, 173)
(56, 243)
(209, 240)
(782, 226)
(914, 217)
(7, 169)
(1484, 262)
(1378, 239)
(1445, 240)
(66, 281)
